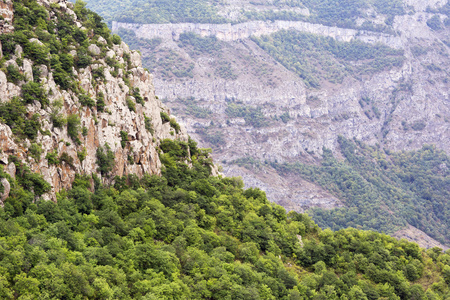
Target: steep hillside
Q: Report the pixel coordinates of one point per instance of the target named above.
(270, 82)
(75, 100)
(137, 213)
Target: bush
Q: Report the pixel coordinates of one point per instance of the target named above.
(82, 154)
(124, 137)
(32, 91)
(175, 125)
(100, 101)
(13, 74)
(36, 151)
(86, 100)
(105, 160)
(435, 23)
(37, 53)
(164, 117)
(148, 124)
(137, 96)
(116, 39)
(66, 158)
(82, 60)
(131, 104)
(52, 158)
(98, 74)
(73, 127)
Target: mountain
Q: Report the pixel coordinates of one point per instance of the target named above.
(85, 95)
(104, 196)
(266, 83)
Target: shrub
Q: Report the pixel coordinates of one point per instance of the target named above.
(37, 53)
(116, 39)
(66, 158)
(100, 101)
(82, 154)
(148, 124)
(84, 131)
(32, 127)
(124, 137)
(86, 100)
(131, 104)
(138, 97)
(105, 159)
(73, 127)
(33, 91)
(36, 151)
(57, 119)
(98, 73)
(175, 125)
(13, 74)
(82, 59)
(435, 23)
(164, 117)
(52, 157)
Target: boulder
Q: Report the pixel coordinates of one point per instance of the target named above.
(6, 189)
(94, 49)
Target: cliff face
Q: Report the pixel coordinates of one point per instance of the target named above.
(134, 152)
(229, 32)
(408, 105)
(6, 12)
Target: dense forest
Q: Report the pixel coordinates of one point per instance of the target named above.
(184, 234)
(383, 190)
(189, 235)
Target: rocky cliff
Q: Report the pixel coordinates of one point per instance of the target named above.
(409, 104)
(7, 14)
(132, 132)
(234, 32)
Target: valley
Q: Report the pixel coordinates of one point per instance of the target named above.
(263, 91)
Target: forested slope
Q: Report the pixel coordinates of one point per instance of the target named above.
(383, 190)
(188, 235)
(183, 234)
(369, 71)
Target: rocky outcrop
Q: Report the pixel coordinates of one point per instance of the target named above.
(137, 154)
(7, 14)
(229, 32)
(6, 188)
(409, 105)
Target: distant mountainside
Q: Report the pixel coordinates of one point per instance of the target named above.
(103, 195)
(267, 83)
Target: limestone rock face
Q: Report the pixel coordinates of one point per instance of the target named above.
(409, 105)
(94, 49)
(136, 155)
(229, 32)
(7, 12)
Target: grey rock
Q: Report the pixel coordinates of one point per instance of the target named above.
(28, 70)
(34, 40)
(18, 52)
(102, 40)
(94, 49)
(106, 130)
(135, 58)
(6, 190)
(11, 170)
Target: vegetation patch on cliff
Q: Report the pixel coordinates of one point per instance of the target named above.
(316, 59)
(383, 190)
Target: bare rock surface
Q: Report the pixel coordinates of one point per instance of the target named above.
(138, 156)
(413, 234)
